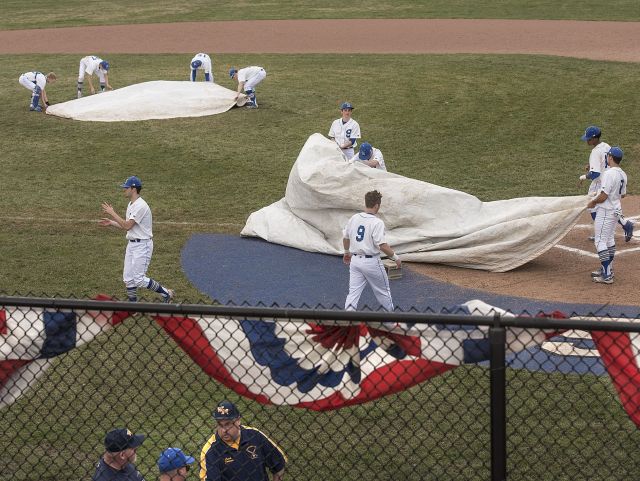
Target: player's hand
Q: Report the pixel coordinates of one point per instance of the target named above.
(93, 91)
(108, 209)
(398, 263)
(346, 258)
(104, 222)
(109, 87)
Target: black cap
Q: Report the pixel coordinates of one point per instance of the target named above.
(121, 439)
(225, 410)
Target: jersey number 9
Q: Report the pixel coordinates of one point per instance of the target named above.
(360, 232)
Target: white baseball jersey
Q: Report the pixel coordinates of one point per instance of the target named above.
(31, 79)
(614, 184)
(376, 155)
(251, 76)
(365, 233)
(90, 65)
(598, 163)
(206, 62)
(341, 132)
(140, 212)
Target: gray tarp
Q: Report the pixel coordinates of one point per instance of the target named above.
(160, 99)
(424, 222)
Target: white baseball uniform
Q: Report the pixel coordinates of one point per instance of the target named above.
(206, 67)
(90, 65)
(139, 245)
(375, 155)
(341, 132)
(598, 163)
(365, 233)
(30, 80)
(251, 76)
(614, 184)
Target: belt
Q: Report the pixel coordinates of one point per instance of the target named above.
(366, 256)
(137, 240)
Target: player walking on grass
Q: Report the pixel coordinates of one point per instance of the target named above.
(363, 239)
(345, 131)
(607, 208)
(138, 224)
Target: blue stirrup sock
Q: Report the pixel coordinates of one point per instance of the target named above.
(102, 86)
(155, 286)
(605, 260)
(80, 84)
(132, 294)
(207, 76)
(193, 74)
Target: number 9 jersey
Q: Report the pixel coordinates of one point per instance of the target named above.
(365, 233)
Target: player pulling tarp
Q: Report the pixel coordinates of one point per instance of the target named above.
(159, 99)
(425, 222)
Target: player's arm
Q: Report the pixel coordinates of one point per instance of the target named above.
(106, 81)
(91, 89)
(116, 220)
(346, 243)
(384, 247)
(240, 85)
(599, 199)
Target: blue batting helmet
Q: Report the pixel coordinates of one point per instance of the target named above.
(132, 181)
(232, 72)
(196, 64)
(173, 458)
(105, 65)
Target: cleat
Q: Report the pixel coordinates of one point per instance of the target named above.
(35, 109)
(168, 298)
(603, 280)
(628, 231)
(598, 273)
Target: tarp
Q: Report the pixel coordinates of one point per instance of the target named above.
(424, 222)
(160, 99)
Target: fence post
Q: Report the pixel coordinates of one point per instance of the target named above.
(497, 337)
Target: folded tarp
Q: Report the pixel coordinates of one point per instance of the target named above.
(424, 222)
(160, 99)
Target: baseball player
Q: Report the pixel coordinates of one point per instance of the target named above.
(90, 65)
(363, 239)
(370, 156)
(345, 131)
(36, 83)
(138, 224)
(173, 465)
(202, 62)
(248, 78)
(607, 205)
(596, 168)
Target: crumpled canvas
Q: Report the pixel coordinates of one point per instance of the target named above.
(424, 222)
(160, 99)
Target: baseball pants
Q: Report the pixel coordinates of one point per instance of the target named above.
(364, 270)
(604, 229)
(136, 262)
(255, 80)
(28, 84)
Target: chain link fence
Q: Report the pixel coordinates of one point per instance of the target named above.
(466, 395)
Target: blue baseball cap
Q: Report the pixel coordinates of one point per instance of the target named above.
(591, 132)
(132, 181)
(105, 65)
(365, 151)
(196, 64)
(225, 410)
(616, 152)
(232, 72)
(173, 458)
(346, 105)
(121, 439)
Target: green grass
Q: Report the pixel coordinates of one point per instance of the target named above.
(135, 376)
(15, 14)
(494, 126)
